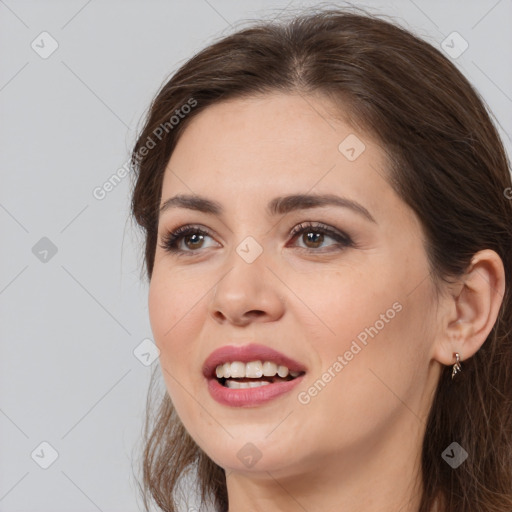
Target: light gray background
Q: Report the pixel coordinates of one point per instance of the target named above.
(69, 325)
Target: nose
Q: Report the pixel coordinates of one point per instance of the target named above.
(248, 292)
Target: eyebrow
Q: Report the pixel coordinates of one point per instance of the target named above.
(277, 206)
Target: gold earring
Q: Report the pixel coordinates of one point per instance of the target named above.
(456, 367)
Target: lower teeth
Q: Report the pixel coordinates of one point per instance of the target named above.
(233, 384)
(244, 384)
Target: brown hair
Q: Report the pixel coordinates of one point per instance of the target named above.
(448, 165)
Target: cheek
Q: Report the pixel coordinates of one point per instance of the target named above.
(161, 306)
(381, 299)
(343, 301)
(170, 301)
(364, 386)
(173, 309)
(177, 314)
(376, 325)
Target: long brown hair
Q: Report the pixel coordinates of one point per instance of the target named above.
(448, 165)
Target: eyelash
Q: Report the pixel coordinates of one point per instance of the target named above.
(171, 239)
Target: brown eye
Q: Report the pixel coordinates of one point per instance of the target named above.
(193, 238)
(313, 236)
(195, 241)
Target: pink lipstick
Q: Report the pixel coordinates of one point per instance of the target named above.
(250, 375)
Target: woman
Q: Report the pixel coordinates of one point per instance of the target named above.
(329, 248)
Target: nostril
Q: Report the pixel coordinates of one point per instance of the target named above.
(255, 313)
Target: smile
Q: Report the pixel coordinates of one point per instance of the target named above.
(250, 375)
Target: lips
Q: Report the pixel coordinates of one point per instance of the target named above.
(246, 354)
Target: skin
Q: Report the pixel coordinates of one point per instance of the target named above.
(356, 445)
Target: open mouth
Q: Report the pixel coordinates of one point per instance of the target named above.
(250, 375)
(238, 375)
(243, 383)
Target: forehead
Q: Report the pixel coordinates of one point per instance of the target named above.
(275, 144)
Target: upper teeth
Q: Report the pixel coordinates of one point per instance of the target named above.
(253, 369)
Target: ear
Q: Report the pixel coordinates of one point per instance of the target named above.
(470, 310)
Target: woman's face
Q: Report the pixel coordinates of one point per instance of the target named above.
(349, 297)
